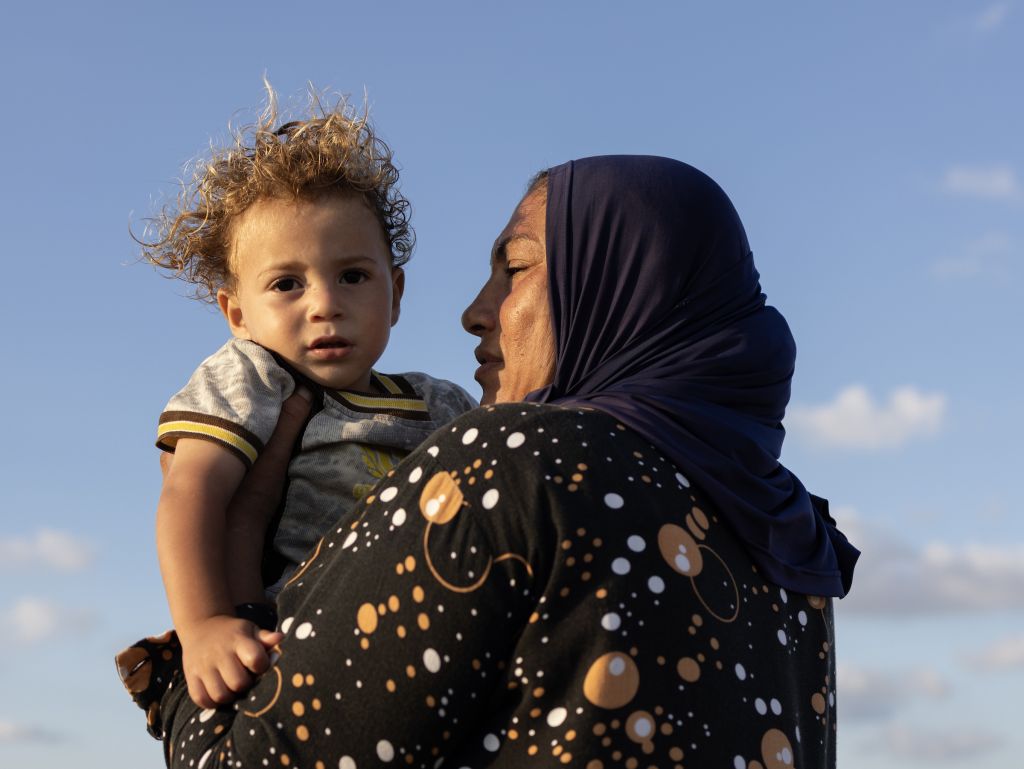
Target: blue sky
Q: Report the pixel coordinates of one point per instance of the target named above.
(873, 151)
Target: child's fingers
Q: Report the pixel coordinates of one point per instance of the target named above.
(269, 638)
(220, 691)
(235, 676)
(253, 656)
(197, 691)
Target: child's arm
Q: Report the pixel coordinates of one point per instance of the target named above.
(219, 650)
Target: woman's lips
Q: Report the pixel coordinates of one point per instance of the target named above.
(487, 370)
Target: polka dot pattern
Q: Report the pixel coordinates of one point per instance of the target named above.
(572, 617)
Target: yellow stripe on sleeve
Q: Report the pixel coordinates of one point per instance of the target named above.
(210, 431)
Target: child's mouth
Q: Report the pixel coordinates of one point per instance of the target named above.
(330, 347)
(329, 343)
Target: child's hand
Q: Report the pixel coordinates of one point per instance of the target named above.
(220, 654)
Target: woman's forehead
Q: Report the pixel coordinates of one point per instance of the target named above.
(527, 223)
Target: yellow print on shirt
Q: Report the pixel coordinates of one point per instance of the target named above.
(379, 464)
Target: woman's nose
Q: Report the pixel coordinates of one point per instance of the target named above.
(480, 316)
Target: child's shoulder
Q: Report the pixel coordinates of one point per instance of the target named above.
(241, 352)
(240, 373)
(445, 400)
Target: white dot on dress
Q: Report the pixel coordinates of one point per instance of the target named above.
(557, 717)
(491, 743)
(399, 517)
(415, 475)
(389, 493)
(642, 727)
(614, 501)
(636, 543)
(682, 480)
(656, 585)
(431, 660)
(385, 751)
(347, 762)
(303, 631)
(490, 499)
(469, 436)
(286, 625)
(620, 566)
(611, 621)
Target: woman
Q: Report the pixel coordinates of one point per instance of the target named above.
(617, 572)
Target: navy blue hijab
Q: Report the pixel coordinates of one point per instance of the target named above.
(660, 321)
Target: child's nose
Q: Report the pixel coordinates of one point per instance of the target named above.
(326, 303)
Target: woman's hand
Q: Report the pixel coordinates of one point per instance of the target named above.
(253, 506)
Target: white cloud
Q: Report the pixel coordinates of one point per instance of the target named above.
(11, 732)
(897, 580)
(952, 744)
(876, 694)
(1004, 654)
(992, 182)
(855, 421)
(32, 619)
(985, 254)
(50, 547)
(992, 17)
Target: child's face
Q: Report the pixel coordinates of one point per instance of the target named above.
(313, 282)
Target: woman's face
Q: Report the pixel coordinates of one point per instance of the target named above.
(512, 312)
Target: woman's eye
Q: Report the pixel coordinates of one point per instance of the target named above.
(510, 271)
(352, 276)
(285, 284)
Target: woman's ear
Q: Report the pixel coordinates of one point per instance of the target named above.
(397, 289)
(232, 311)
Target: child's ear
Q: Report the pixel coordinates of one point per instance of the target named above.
(232, 311)
(397, 288)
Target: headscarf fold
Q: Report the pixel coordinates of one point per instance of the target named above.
(660, 321)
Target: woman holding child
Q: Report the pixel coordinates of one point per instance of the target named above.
(604, 565)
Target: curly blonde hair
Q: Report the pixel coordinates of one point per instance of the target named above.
(333, 151)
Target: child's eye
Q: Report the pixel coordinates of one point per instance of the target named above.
(285, 284)
(352, 276)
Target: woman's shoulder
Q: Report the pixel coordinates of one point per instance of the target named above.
(548, 443)
(535, 416)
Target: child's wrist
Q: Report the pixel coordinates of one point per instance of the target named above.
(187, 628)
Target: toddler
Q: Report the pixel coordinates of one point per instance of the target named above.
(298, 233)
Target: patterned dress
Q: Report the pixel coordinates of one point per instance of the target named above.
(534, 586)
